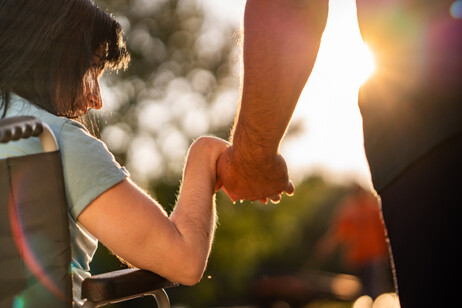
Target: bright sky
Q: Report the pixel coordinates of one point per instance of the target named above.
(332, 140)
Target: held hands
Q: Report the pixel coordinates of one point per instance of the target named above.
(253, 178)
(240, 176)
(201, 163)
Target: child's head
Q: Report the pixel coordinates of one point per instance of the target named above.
(52, 51)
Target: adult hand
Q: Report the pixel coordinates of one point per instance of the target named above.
(253, 178)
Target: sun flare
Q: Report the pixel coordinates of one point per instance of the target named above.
(343, 55)
(350, 63)
(333, 142)
(365, 64)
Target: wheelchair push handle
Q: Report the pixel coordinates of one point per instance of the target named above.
(13, 129)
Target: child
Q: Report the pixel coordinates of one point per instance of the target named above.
(51, 55)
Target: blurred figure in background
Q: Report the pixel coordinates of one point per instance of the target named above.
(357, 229)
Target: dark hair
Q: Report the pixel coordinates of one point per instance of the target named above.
(48, 47)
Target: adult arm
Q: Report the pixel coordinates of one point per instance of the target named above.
(281, 41)
(136, 228)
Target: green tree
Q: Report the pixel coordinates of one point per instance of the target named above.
(183, 82)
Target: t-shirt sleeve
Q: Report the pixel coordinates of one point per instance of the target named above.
(88, 166)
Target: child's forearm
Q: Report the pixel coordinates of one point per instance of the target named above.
(195, 215)
(136, 228)
(194, 218)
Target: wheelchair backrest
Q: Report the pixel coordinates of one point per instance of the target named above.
(35, 253)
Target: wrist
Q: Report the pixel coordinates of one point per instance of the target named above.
(250, 144)
(251, 160)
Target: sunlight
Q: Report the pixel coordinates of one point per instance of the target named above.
(343, 55)
(456, 9)
(332, 143)
(386, 300)
(329, 140)
(366, 64)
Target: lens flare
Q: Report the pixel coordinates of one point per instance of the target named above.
(27, 254)
(366, 63)
(387, 300)
(456, 9)
(363, 302)
(18, 302)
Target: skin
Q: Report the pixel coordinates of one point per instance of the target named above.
(281, 41)
(416, 45)
(136, 227)
(93, 90)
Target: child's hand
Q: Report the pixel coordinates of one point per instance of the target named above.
(202, 159)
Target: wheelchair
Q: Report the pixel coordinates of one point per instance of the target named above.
(35, 251)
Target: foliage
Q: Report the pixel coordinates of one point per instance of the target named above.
(253, 240)
(182, 83)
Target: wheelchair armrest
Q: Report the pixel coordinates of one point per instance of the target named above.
(110, 287)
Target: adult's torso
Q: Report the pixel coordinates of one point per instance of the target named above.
(413, 101)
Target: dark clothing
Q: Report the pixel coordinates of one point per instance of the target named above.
(412, 119)
(399, 134)
(413, 102)
(422, 211)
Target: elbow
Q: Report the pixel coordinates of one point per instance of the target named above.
(192, 270)
(185, 268)
(186, 260)
(191, 279)
(186, 275)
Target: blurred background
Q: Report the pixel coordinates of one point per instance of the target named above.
(183, 82)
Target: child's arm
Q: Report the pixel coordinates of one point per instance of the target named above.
(194, 214)
(136, 228)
